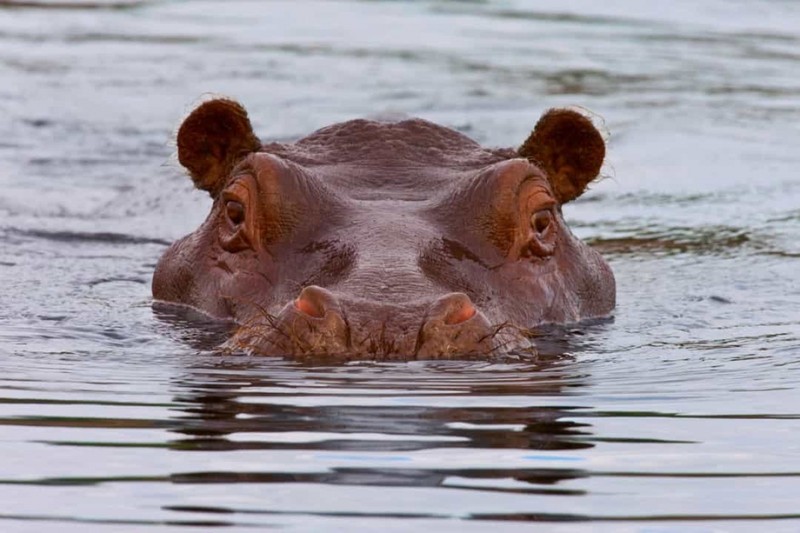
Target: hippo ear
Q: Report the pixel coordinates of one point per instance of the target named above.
(212, 139)
(567, 146)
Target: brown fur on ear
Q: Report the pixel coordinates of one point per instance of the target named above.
(567, 146)
(211, 139)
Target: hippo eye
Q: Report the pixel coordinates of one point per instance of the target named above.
(235, 212)
(541, 220)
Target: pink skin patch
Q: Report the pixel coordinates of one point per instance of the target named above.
(307, 307)
(462, 314)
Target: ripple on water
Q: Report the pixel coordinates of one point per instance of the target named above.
(391, 435)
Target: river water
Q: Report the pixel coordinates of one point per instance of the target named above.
(680, 414)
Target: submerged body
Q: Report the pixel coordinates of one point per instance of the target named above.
(385, 240)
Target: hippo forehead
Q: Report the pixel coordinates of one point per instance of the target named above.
(407, 159)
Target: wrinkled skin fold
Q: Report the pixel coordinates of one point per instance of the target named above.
(385, 240)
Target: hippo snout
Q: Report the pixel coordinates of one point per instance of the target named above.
(317, 322)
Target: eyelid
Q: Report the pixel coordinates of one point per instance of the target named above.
(540, 200)
(232, 197)
(236, 191)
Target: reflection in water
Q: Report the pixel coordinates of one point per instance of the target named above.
(243, 406)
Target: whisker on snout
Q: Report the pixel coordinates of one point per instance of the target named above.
(519, 331)
(264, 325)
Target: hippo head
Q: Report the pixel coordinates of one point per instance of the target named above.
(378, 240)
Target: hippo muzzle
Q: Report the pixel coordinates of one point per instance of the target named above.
(318, 323)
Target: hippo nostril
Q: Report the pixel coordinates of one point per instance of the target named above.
(305, 306)
(314, 301)
(313, 323)
(460, 314)
(453, 309)
(454, 326)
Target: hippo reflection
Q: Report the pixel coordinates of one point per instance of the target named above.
(379, 240)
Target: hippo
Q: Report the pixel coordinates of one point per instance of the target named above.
(385, 239)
